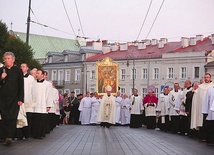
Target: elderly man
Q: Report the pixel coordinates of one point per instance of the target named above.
(107, 110)
(11, 96)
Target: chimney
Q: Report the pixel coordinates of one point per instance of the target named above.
(165, 40)
(106, 49)
(114, 47)
(192, 41)
(212, 39)
(199, 37)
(184, 42)
(97, 45)
(141, 45)
(147, 41)
(123, 47)
(161, 44)
(154, 41)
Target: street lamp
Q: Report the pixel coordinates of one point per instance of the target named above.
(130, 55)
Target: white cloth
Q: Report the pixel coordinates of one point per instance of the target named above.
(118, 101)
(136, 104)
(85, 108)
(194, 111)
(163, 105)
(29, 84)
(94, 110)
(56, 102)
(174, 98)
(22, 117)
(107, 110)
(42, 96)
(202, 90)
(208, 101)
(125, 111)
(150, 110)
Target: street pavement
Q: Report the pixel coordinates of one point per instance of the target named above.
(117, 140)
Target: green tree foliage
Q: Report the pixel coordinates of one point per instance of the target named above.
(22, 51)
(4, 36)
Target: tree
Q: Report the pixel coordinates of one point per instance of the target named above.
(4, 36)
(22, 51)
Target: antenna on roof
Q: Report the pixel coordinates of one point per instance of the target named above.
(11, 26)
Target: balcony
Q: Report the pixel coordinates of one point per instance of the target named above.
(59, 83)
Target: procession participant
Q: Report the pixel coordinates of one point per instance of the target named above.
(174, 96)
(74, 103)
(125, 110)
(95, 101)
(11, 96)
(85, 109)
(136, 110)
(56, 105)
(107, 110)
(43, 99)
(200, 120)
(51, 114)
(118, 101)
(188, 106)
(163, 110)
(208, 112)
(150, 102)
(180, 107)
(66, 108)
(29, 83)
(33, 72)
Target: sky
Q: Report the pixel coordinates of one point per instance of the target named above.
(113, 20)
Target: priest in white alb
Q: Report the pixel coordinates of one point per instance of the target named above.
(125, 110)
(118, 100)
(107, 110)
(200, 120)
(85, 109)
(95, 101)
(208, 112)
(136, 110)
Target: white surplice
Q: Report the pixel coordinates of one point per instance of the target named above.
(125, 111)
(118, 101)
(85, 108)
(94, 110)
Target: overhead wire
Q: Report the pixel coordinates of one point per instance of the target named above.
(144, 20)
(68, 17)
(79, 17)
(155, 18)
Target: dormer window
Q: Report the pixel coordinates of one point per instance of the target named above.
(66, 58)
(50, 59)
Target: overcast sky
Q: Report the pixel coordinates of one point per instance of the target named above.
(114, 20)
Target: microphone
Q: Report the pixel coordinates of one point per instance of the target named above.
(4, 71)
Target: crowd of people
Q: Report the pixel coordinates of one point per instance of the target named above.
(30, 106)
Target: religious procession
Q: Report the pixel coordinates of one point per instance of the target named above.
(31, 106)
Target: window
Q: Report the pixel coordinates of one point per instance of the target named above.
(123, 74)
(66, 58)
(170, 73)
(156, 92)
(77, 91)
(123, 91)
(156, 73)
(196, 72)
(54, 75)
(144, 73)
(135, 74)
(92, 90)
(50, 59)
(77, 74)
(93, 75)
(144, 92)
(183, 72)
(67, 91)
(67, 75)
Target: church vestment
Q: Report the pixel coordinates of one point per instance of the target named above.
(136, 111)
(85, 109)
(94, 110)
(150, 102)
(11, 91)
(125, 111)
(107, 111)
(118, 101)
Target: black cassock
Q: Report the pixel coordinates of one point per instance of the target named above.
(11, 91)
